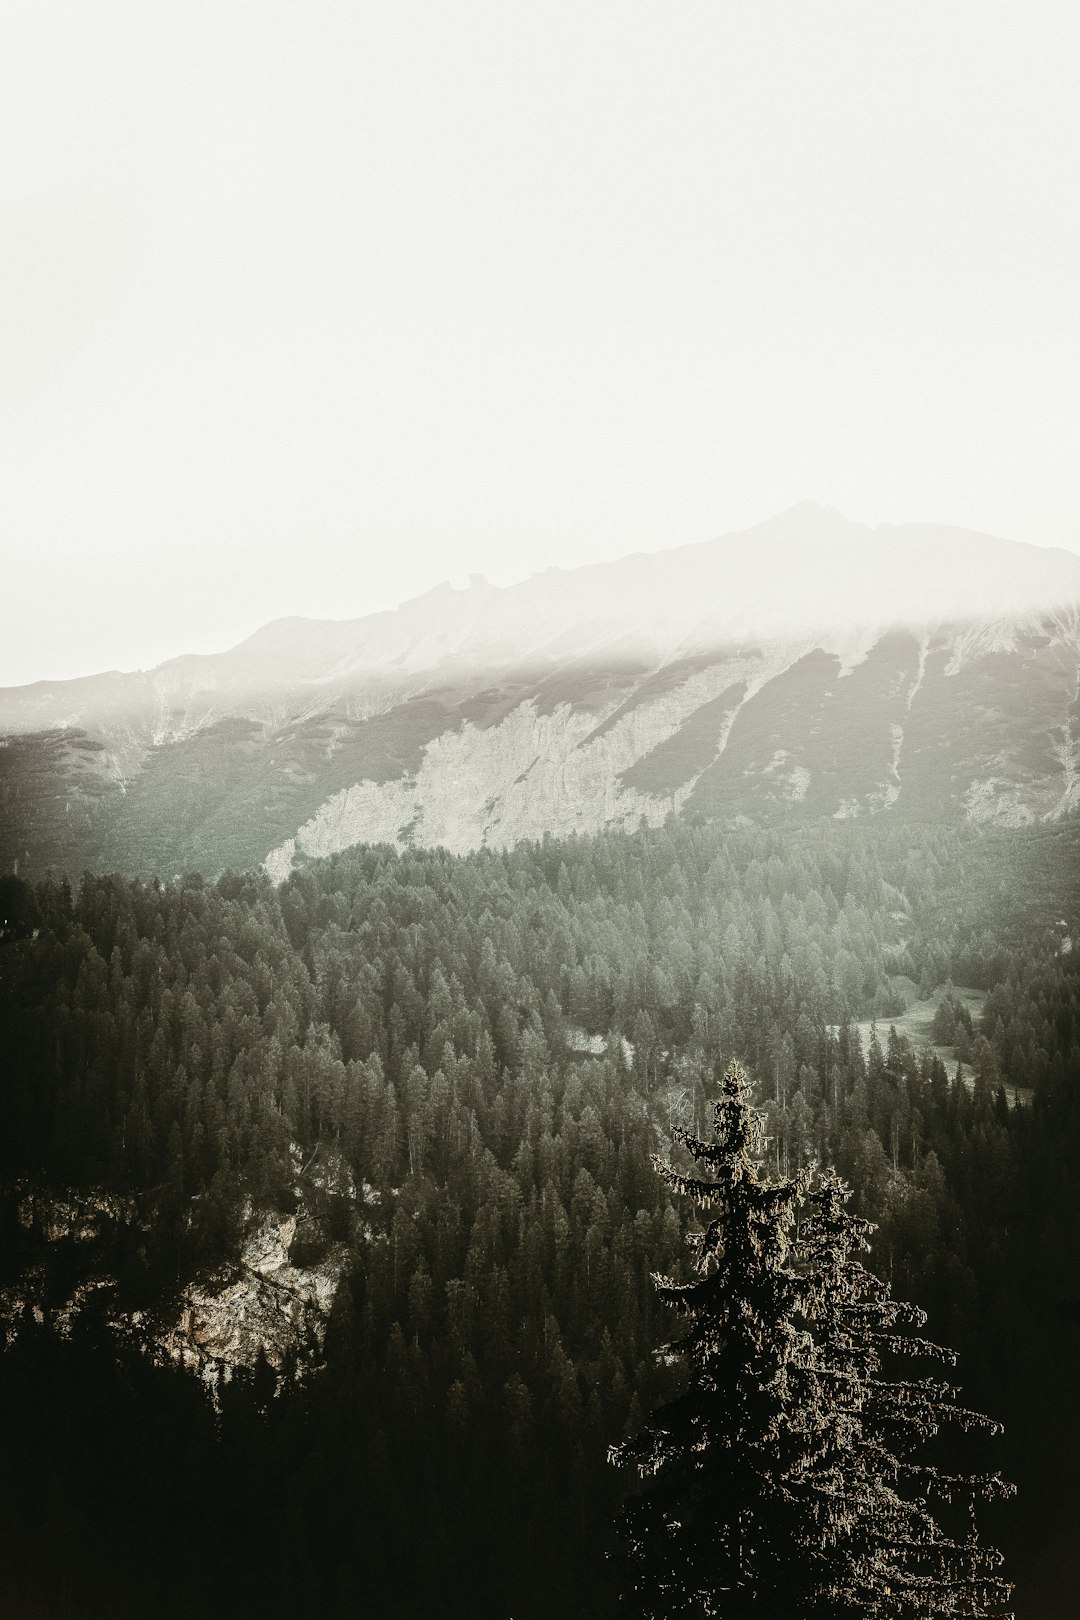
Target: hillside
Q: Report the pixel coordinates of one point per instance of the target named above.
(807, 668)
(328, 1210)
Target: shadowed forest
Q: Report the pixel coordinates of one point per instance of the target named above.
(491, 1048)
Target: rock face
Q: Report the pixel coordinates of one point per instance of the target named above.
(807, 668)
(273, 1300)
(49, 1219)
(937, 723)
(79, 1214)
(264, 1304)
(532, 772)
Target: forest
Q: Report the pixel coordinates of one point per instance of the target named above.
(489, 1049)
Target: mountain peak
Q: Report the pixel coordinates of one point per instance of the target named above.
(807, 570)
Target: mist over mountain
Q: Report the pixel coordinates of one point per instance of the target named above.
(808, 570)
(326, 1188)
(807, 666)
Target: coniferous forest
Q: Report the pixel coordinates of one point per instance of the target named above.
(446, 1080)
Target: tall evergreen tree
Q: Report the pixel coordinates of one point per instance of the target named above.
(716, 1530)
(782, 1481)
(874, 1499)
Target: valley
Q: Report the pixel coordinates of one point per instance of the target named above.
(352, 980)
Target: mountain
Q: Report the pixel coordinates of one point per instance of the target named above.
(807, 667)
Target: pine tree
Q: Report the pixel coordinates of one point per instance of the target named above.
(873, 1497)
(713, 1532)
(783, 1481)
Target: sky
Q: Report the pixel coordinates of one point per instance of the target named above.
(306, 307)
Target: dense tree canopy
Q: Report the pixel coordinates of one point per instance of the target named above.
(787, 1477)
(495, 1046)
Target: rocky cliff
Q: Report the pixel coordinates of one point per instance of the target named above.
(807, 668)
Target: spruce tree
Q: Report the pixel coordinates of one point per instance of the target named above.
(875, 1495)
(714, 1530)
(783, 1481)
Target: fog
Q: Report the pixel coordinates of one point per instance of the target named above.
(302, 311)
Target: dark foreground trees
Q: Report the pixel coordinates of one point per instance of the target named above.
(795, 1476)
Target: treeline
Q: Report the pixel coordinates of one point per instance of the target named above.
(426, 1019)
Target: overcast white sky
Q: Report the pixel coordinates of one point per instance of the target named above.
(305, 307)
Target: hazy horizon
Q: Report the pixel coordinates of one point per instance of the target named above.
(308, 315)
(803, 570)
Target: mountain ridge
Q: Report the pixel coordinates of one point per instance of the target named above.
(790, 676)
(641, 588)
